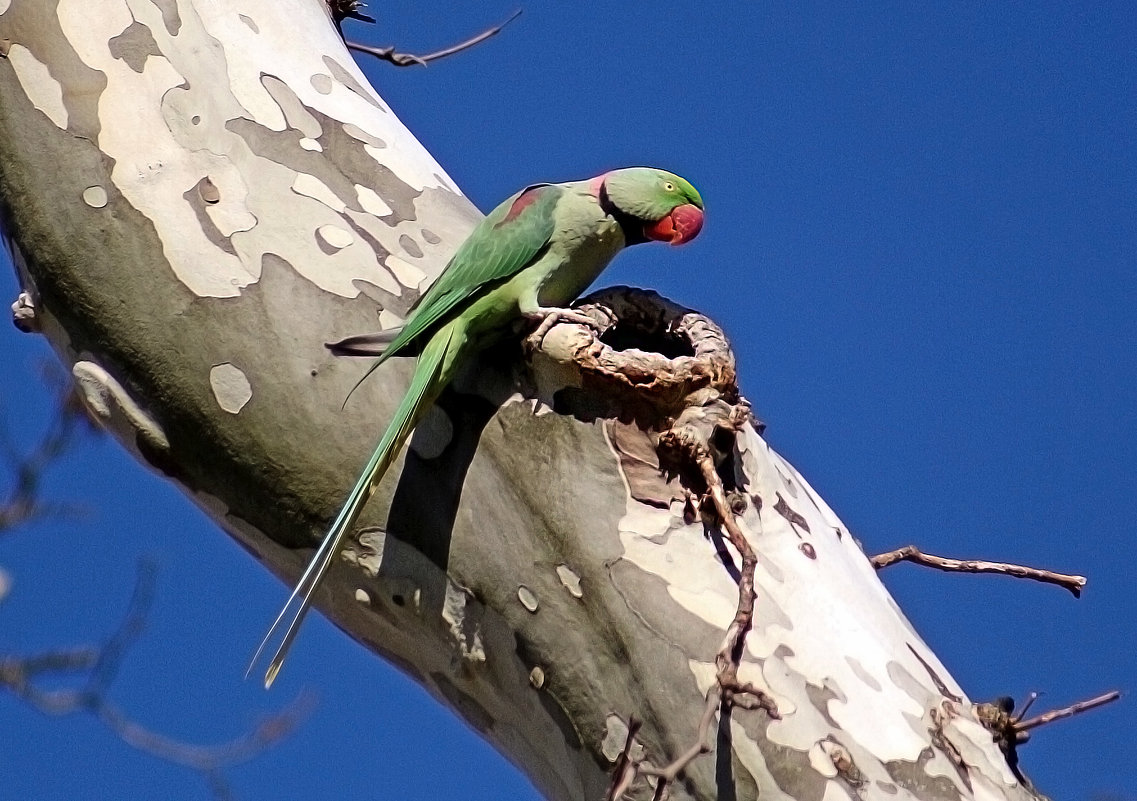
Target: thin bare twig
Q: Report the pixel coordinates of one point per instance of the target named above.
(18, 675)
(729, 655)
(670, 773)
(910, 553)
(409, 59)
(627, 767)
(1066, 712)
(1026, 707)
(23, 502)
(727, 691)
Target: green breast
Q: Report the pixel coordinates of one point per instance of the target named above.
(583, 244)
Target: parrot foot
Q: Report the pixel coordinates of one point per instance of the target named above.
(549, 317)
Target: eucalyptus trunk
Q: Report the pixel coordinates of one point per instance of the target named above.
(197, 195)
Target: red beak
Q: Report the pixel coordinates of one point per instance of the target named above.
(681, 225)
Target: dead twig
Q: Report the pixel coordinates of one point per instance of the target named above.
(910, 553)
(409, 59)
(626, 769)
(23, 503)
(730, 653)
(18, 676)
(727, 691)
(1066, 712)
(1009, 730)
(670, 773)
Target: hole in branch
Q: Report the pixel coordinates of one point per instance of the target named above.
(633, 337)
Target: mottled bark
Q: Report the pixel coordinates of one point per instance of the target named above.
(198, 195)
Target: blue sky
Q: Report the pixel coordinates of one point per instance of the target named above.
(920, 235)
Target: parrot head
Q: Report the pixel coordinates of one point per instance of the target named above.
(654, 204)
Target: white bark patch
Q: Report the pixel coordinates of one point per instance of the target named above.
(370, 201)
(837, 588)
(95, 197)
(820, 760)
(834, 792)
(366, 552)
(463, 616)
(528, 598)
(334, 237)
(965, 734)
(295, 115)
(388, 319)
(232, 118)
(112, 406)
(224, 195)
(310, 186)
(406, 273)
(745, 748)
(291, 30)
(24, 314)
(570, 580)
(355, 132)
(615, 737)
(44, 92)
(153, 169)
(230, 387)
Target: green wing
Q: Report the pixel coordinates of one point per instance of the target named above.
(508, 240)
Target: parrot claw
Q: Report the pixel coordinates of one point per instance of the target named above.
(550, 317)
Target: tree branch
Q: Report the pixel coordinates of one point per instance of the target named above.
(910, 553)
(1069, 711)
(689, 444)
(23, 503)
(18, 675)
(409, 59)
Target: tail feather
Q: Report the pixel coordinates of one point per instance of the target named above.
(364, 344)
(431, 375)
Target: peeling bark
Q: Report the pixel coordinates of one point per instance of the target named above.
(198, 196)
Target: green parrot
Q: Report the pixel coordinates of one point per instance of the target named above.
(528, 259)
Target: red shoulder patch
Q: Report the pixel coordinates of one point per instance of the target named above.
(527, 198)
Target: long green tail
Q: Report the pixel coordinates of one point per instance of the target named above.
(431, 374)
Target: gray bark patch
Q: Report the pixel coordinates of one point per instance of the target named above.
(37, 24)
(863, 674)
(788, 767)
(410, 246)
(342, 164)
(345, 77)
(95, 196)
(913, 777)
(134, 45)
(197, 196)
(363, 136)
(170, 16)
(322, 83)
(295, 113)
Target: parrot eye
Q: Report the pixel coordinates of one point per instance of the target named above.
(668, 186)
